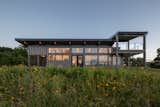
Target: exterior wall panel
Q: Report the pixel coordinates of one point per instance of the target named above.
(37, 50)
(43, 50)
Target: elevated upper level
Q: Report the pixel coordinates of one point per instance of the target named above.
(126, 36)
(126, 39)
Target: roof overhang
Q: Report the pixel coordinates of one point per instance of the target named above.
(126, 36)
(44, 41)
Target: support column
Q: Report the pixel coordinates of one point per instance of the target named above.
(70, 56)
(117, 48)
(47, 55)
(128, 60)
(144, 50)
(84, 55)
(121, 61)
(38, 60)
(128, 55)
(128, 45)
(97, 56)
(29, 62)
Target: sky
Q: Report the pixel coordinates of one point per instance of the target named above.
(79, 19)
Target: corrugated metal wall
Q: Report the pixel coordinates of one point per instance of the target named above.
(43, 51)
(37, 50)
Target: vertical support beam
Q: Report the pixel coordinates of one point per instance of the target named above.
(29, 62)
(128, 60)
(38, 60)
(98, 56)
(144, 50)
(129, 54)
(128, 45)
(47, 55)
(122, 61)
(84, 55)
(117, 48)
(70, 56)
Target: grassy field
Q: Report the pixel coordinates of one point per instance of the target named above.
(79, 87)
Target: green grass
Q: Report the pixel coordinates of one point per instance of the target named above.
(79, 87)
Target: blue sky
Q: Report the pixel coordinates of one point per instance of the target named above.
(79, 19)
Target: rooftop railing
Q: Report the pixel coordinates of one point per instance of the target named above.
(133, 46)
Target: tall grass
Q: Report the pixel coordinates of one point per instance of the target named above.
(79, 87)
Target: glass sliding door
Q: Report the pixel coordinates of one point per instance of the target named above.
(74, 61)
(91, 60)
(80, 61)
(42, 60)
(77, 61)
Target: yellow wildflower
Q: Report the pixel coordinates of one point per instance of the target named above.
(12, 98)
(97, 86)
(21, 88)
(106, 94)
(124, 84)
(114, 88)
(107, 85)
(57, 91)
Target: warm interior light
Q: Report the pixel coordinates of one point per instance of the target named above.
(43, 56)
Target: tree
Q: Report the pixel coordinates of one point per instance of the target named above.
(158, 52)
(137, 61)
(156, 61)
(9, 56)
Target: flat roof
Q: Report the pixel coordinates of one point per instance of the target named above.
(64, 41)
(126, 36)
(123, 37)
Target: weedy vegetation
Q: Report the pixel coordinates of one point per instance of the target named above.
(79, 87)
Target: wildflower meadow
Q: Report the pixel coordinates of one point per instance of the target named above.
(22, 86)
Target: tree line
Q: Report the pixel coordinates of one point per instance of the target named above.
(16, 56)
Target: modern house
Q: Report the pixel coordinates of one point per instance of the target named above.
(83, 52)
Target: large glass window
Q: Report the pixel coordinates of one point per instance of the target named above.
(58, 57)
(103, 50)
(109, 50)
(59, 50)
(77, 50)
(58, 60)
(110, 60)
(103, 59)
(90, 50)
(90, 60)
(114, 60)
